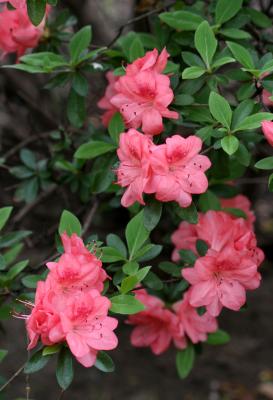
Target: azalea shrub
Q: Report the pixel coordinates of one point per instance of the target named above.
(184, 115)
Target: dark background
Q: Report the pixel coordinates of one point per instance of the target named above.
(240, 370)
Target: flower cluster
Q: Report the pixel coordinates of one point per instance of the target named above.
(157, 327)
(69, 305)
(17, 33)
(173, 171)
(229, 268)
(142, 95)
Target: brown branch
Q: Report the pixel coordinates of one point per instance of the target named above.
(25, 210)
(139, 18)
(89, 217)
(12, 377)
(25, 142)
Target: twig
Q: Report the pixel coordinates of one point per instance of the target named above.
(139, 18)
(207, 150)
(25, 210)
(61, 394)
(89, 217)
(25, 142)
(12, 377)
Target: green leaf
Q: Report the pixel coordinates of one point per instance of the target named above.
(253, 121)
(36, 362)
(222, 61)
(230, 144)
(236, 212)
(184, 361)
(242, 155)
(152, 214)
(193, 72)
(220, 109)
(13, 237)
(258, 18)
(104, 362)
(49, 350)
(265, 163)
(76, 112)
(170, 268)
(152, 281)
(3, 354)
(113, 240)
(188, 214)
(270, 183)
(205, 42)
(80, 84)
(110, 254)
(150, 253)
(28, 158)
(181, 20)
(218, 337)
(201, 247)
(209, 201)
(4, 215)
(64, 370)
(241, 54)
(226, 9)
(243, 110)
(116, 127)
(69, 223)
(79, 42)
(136, 49)
(128, 284)
(187, 256)
(16, 270)
(233, 33)
(136, 234)
(30, 281)
(125, 304)
(36, 10)
(130, 268)
(93, 149)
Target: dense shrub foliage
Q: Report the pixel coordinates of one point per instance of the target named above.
(185, 108)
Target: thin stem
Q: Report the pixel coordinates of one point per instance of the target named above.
(61, 394)
(139, 18)
(12, 377)
(89, 217)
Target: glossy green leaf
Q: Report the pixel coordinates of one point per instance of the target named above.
(69, 223)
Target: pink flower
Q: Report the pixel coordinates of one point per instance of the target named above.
(267, 127)
(104, 103)
(17, 34)
(178, 170)
(134, 171)
(144, 93)
(184, 238)
(43, 317)
(195, 326)
(219, 230)
(156, 326)
(242, 202)
(77, 269)
(220, 279)
(86, 327)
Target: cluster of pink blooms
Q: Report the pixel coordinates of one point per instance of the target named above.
(229, 268)
(173, 171)
(69, 306)
(17, 33)
(218, 279)
(157, 327)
